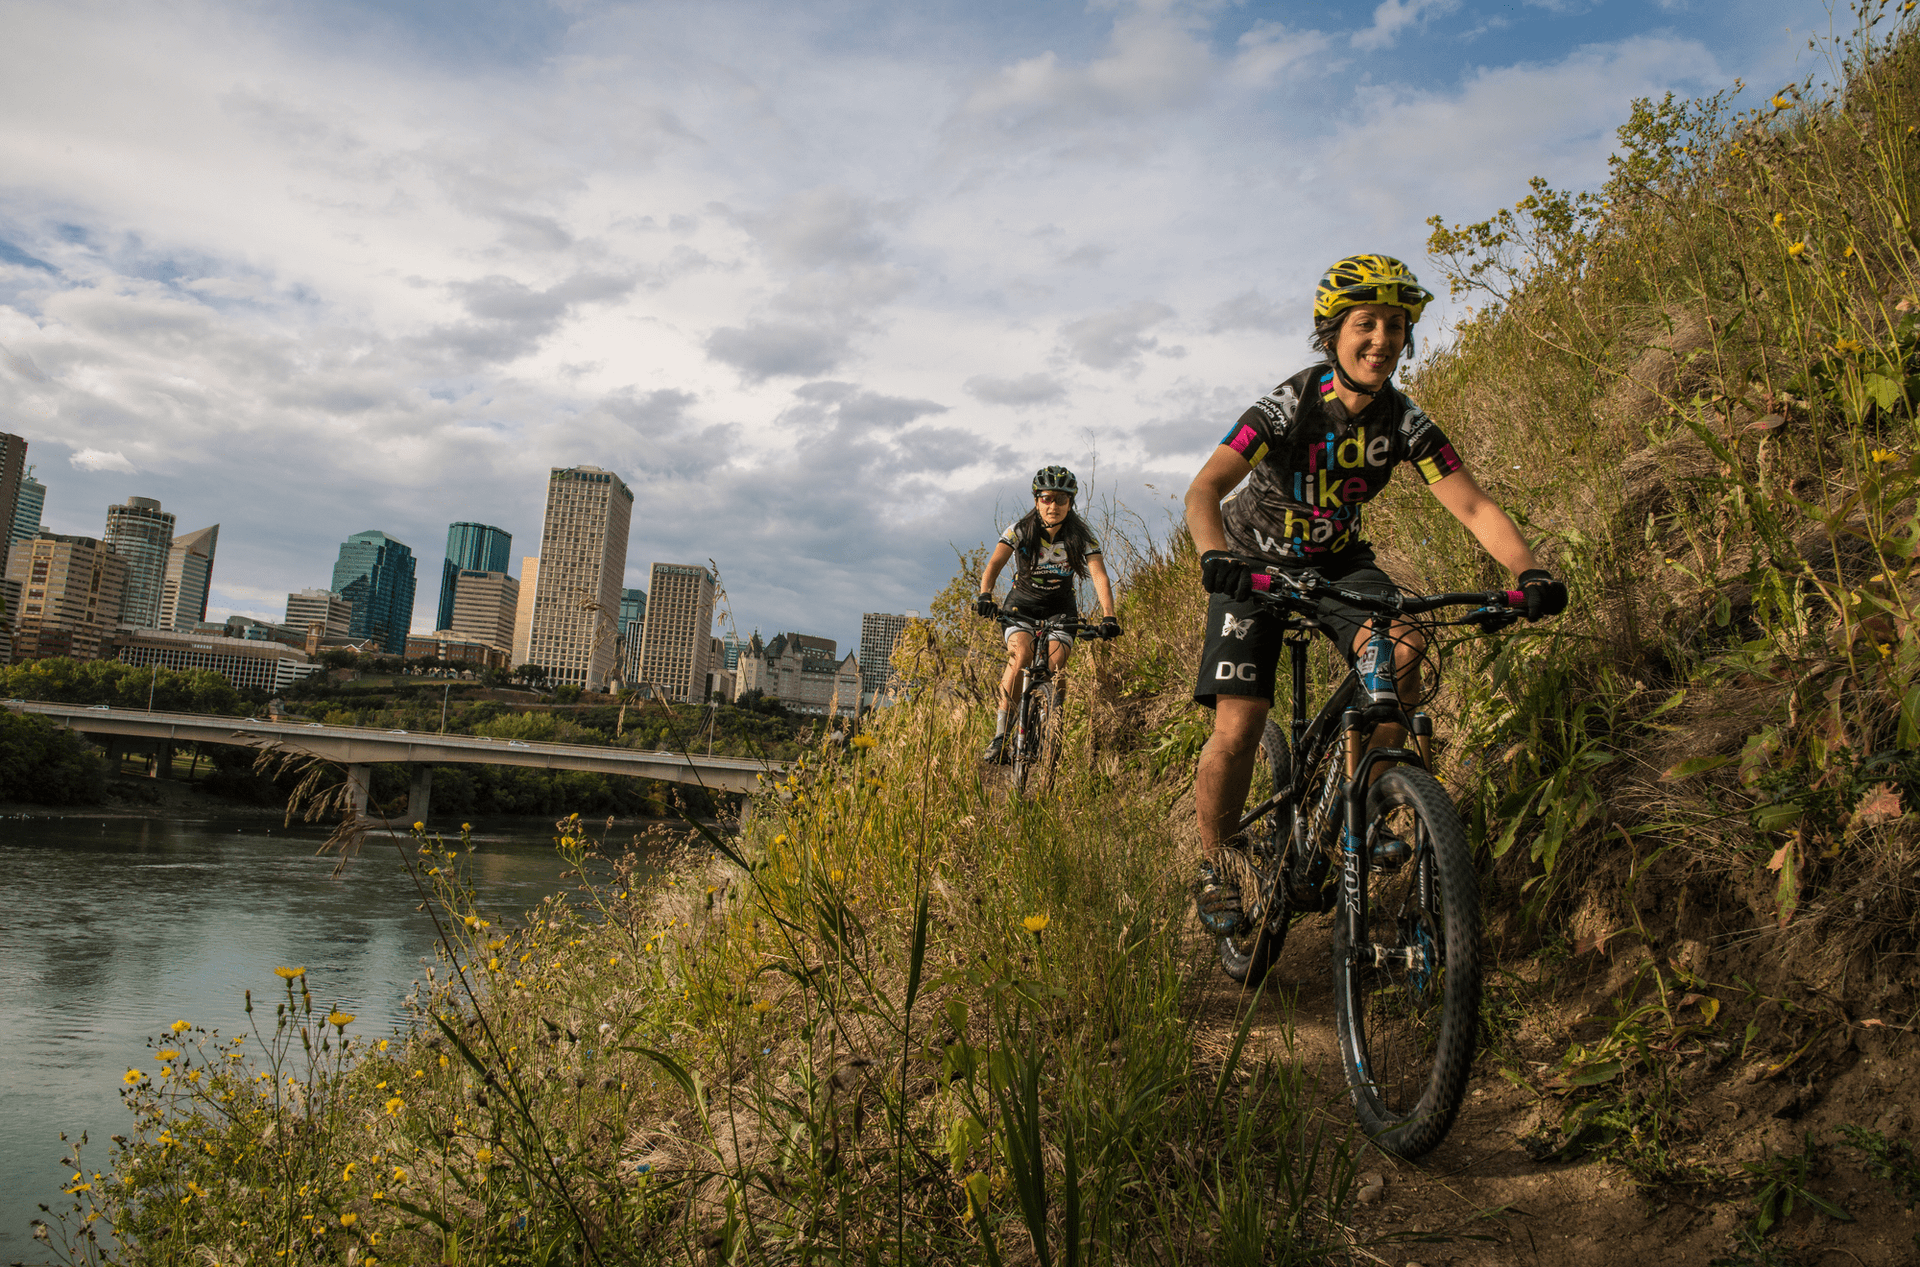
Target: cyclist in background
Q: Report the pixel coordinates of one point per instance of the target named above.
(1050, 547)
(1317, 448)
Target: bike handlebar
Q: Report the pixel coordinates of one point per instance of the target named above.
(1303, 593)
(1084, 630)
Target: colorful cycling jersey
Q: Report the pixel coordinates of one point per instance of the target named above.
(1041, 570)
(1314, 467)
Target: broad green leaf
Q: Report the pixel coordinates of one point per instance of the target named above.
(1777, 817)
(1884, 391)
(1786, 895)
(1694, 765)
(1597, 1074)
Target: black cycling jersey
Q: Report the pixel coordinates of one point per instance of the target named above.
(1314, 466)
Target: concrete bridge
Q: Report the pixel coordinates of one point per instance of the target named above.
(358, 747)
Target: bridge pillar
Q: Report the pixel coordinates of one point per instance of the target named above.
(163, 759)
(358, 779)
(420, 793)
(116, 746)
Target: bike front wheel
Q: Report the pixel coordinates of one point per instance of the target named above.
(1407, 995)
(1246, 956)
(1036, 744)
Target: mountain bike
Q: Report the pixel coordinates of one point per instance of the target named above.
(1034, 746)
(1390, 853)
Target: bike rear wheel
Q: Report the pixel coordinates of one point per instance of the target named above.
(1247, 956)
(1407, 999)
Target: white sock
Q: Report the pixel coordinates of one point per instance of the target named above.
(1000, 720)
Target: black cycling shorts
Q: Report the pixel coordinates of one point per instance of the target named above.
(1241, 654)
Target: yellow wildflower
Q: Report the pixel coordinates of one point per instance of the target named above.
(1846, 345)
(836, 875)
(1885, 455)
(493, 964)
(382, 1044)
(761, 1005)
(466, 827)
(167, 1054)
(1034, 923)
(288, 974)
(1779, 218)
(395, 1105)
(1849, 252)
(133, 1077)
(349, 1219)
(419, 826)
(1779, 102)
(864, 741)
(471, 921)
(1797, 248)
(346, 1175)
(484, 1156)
(180, 1027)
(339, 1020)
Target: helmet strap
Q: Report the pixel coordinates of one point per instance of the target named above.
(1346, 380)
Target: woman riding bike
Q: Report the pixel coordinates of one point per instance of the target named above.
(1318, 447)
(1050, 547)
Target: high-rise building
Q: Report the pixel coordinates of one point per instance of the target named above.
(878, 632)
(375, 574)
(633, 620)
(678, 640)
(731, 646)
(72, 592)
(183, 594)
(483, 608)
(13, 475)
(523, 610)
(470, 548)
(322, 607)
(31, 507)
(142, 534)
(583, 555)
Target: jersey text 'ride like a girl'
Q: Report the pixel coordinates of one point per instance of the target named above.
(1314, 466)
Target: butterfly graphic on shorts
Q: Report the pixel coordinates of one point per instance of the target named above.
(1236, 628)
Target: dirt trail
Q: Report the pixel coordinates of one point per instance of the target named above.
(1481, 1199)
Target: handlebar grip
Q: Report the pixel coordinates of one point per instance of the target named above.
(1516, 598)
(1262, 582)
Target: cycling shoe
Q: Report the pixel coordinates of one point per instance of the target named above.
(1217, 901)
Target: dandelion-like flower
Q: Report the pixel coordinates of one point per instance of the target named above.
(761, 1005)
(180, 1027)
(1779, 102)
(289, 974)
(1885, 455)
(166, 1055)
(1779, 219)
(196, 1189)
(484, 1156)
(493, 964)
(1797, 248)
(864, 741)
(339, 1020)
(471, 921)
(133, 1077)
(419, 826)
(1035, 923)
(836, 875)
(395, 1105)
(349, 1219)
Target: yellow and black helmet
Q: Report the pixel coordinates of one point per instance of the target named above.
(1369, 279)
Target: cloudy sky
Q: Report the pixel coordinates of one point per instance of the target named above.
(824, 282)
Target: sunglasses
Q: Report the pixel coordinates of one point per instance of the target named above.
(1053, 499)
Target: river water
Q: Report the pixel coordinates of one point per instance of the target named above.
(111, 929)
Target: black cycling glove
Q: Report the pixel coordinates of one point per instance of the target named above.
(985, 606)
(1221, 573)
(1545, 596)
(1109, 627)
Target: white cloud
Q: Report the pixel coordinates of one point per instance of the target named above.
(1115, 339)
(96, 460)
(1395, 16)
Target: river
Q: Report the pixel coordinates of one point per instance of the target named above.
(113, 928)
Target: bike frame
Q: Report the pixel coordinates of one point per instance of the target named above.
(1358, 722)
(1039, 675)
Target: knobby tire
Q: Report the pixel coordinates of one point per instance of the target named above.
(1407, 1035)
(1035, 743)
(1246, 957)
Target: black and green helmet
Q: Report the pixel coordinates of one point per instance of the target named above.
(1057, 479)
